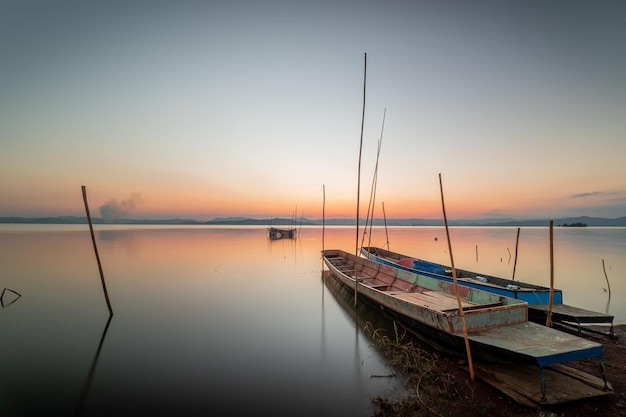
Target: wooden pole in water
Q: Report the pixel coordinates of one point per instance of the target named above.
(608, 285)
(456, 287)
(515, 260)
(323, 213)
(95, 248)
(549, 318)
(358, 191)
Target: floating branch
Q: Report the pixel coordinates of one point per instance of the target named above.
(12, 301)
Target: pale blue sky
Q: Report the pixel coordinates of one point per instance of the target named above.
(208, 109)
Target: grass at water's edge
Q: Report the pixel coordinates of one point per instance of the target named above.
(432, 390)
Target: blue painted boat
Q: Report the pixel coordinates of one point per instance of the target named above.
(537, 296)
(531, 293)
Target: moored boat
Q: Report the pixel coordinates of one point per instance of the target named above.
(497, 326)
(536, 296)
(276, 233)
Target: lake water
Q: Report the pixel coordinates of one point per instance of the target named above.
(224, 321)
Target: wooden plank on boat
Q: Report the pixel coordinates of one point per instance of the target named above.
(523, 383)
(432, 299)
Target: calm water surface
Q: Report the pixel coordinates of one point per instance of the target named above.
(223, 321)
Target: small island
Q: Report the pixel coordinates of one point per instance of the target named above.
(577, 224)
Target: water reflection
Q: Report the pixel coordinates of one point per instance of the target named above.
(206, 316)
(92, 370)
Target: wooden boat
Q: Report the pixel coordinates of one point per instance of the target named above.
(536, 296)
(276, 233)
(498, 329)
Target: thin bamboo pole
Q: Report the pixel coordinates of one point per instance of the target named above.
(456, 287)
(385, 218)
(95, 248)
(358, 191)
(372, 203)
(323, 213)
(515, 260)
(608, 302)
(549, 317)
(369, 220)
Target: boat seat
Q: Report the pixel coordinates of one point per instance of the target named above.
(379, 286)
(477, 307)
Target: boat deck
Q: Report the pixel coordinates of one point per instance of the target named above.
(432, 300)
(546, 345)
(423, 297)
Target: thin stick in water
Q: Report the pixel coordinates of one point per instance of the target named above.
(608, 303)
(549, 317)
(18, 295)
(323, 213)
(515, 260)
(95, 248)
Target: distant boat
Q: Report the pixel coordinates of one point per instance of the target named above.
(524, 359)
(536, 296)
(275, 233)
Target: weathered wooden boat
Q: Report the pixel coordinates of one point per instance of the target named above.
(498, 330)
(536, 296)
(276, 233)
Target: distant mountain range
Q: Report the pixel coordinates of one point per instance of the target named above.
(566, 221)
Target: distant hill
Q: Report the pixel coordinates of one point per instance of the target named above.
(566, 221)
(589, 221)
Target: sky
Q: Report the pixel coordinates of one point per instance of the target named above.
(207, 109)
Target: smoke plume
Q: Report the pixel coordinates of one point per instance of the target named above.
(113, 210)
